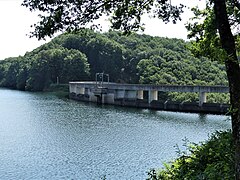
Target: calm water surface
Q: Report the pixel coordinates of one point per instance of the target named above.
(45, 137)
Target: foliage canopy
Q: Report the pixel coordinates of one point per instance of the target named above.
(71, 15)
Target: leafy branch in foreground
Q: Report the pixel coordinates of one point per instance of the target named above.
(72, 15)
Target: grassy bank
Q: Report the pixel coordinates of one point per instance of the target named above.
(60, 90)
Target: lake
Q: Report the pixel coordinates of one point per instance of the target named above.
(43, 136)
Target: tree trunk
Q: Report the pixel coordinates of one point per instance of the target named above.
(233, 74)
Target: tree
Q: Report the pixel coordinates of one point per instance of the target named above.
(11, 72)
(52, 66)
(39, 74)
(126, 15)
(103, 54)
(216, 40)
(75, 66)
(74, 14)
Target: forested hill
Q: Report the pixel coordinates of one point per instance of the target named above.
(130, 59)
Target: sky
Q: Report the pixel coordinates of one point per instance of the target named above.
(16, 20)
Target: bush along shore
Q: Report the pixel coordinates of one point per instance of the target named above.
(212, 159)
(60, 90)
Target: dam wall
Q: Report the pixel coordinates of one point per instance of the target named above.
(132, 95)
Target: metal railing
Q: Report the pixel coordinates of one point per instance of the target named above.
(101, 79)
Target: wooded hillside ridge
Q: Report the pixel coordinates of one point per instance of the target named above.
(130, 59)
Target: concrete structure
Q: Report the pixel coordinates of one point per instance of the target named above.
(133, 94)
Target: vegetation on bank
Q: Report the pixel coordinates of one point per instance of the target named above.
(213, 159)
(130, 59)
(60, 90)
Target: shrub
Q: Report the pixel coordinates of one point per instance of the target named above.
(213, 159)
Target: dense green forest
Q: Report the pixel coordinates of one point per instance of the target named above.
(129, 59)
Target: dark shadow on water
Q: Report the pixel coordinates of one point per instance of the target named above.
(202, 118)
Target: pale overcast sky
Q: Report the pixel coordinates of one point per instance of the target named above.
(16, 20)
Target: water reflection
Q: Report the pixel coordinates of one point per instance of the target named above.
(203, 118)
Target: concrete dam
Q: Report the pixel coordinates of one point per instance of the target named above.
(146, 96)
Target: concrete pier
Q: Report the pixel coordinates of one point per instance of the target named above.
(202, 98)
(132, 95)
(152, 95)
(140, 94)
